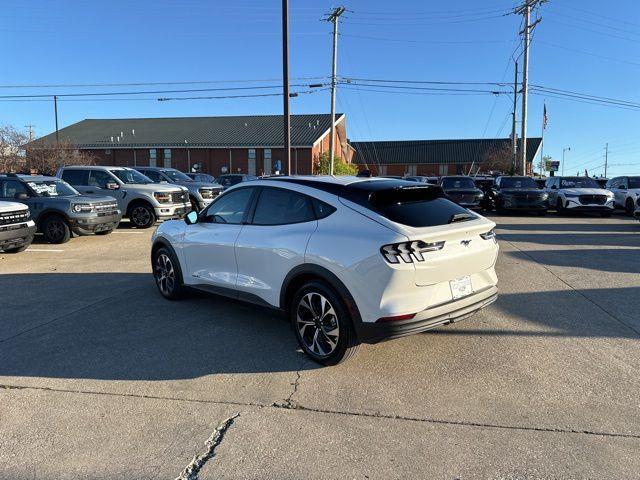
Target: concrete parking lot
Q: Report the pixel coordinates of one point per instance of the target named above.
(102, 378)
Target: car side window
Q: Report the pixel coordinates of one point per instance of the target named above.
(322, 210)
(99, 178)
(75, 177)
(11, 188)
(153, 175)
(230, 208)
(277, 206)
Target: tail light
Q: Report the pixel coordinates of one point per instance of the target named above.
(490, 235)
(409, 251)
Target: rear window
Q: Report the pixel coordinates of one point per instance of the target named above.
(409, 204)
(453, 183)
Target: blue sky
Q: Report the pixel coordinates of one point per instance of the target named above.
(585, 46)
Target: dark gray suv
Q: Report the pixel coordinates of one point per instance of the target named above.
(58, 209)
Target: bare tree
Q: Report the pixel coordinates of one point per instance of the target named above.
(45, 159)
(11, 153)
(497, 160)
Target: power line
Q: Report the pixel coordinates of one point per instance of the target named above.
(434, 42)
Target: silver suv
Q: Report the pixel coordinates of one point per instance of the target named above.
(201, 193)
(140, 200)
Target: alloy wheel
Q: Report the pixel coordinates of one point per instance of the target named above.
(140, 216)
(165, 274)
(55, 230)
(317, 324)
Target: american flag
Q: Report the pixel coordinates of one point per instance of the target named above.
(545, 118)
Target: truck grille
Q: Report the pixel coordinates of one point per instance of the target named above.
(209, 193)
(593, 199)
(105, 208)
(179, 197)
(9, 218)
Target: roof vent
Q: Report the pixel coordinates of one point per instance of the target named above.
(111, 138)
(122, 134)
(318, 122)
(133, 131)
(246, 124)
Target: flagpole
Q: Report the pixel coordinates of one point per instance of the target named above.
(544, 114)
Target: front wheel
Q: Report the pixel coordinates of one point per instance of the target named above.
(322, 325)
(142, 216)
(104, 232)
(56, 230)
(17, 249)
(629, 207)
(167, 274)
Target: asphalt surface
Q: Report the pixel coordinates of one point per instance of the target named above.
(102, 378)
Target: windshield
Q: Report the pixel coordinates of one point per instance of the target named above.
(518, 182)
(177, 176)
(634, 182)
(130, 176)
(52, 188)
(449, 183)
(578, 182)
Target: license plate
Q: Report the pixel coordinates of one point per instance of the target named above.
(461, 287)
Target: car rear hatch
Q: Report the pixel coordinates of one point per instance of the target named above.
(458, 242)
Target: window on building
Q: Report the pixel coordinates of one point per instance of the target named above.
(152, 157)
(443, 169)
(267, 161)
(167, 157)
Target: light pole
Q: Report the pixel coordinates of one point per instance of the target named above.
(563, 152)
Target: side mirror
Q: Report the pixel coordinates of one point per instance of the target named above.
(191, 218)
(21, 196)
(112, 186)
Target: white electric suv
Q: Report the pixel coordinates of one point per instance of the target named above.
(579, 194)
(351, 260)
(626, 191)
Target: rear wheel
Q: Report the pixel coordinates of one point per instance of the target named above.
(167, 274)
(629, 207)
(17, 249)
(322, 325)
(142, 215)
(56, 230)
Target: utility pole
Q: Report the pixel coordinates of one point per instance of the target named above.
(525, 10)
(333, 18)
(55, 109)
(285, 85)
(514, 135)
(30, 127)
(606, 159)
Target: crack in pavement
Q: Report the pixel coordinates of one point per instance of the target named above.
(192, 471)
(583, 295)
(288, 402)
(301, 408)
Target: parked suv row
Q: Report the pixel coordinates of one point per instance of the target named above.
(139, 198)
(58, 209)
(626, 191)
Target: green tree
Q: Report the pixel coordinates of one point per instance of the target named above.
(339, 167)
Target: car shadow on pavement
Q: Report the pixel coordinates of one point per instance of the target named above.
(593, 313)
(616, 260)
(116, 326)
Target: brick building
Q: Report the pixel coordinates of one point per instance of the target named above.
(240, 144)
(437, 157)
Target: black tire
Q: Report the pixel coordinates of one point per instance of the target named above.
(167, 274)
(142, 215)
(104, 232)
(605, 214)
(55, 229)
(629, 206)
(16, 250)
(312, 326)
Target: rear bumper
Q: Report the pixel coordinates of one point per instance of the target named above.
(432, 317)
(16, 236)
(87, 226)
